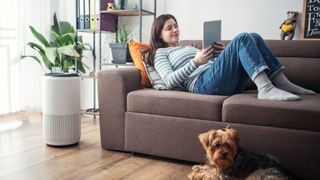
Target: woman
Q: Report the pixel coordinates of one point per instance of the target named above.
(246, 57)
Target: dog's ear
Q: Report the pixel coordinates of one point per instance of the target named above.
(234, 134)
(206, 137)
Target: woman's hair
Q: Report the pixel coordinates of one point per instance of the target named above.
(155, 41)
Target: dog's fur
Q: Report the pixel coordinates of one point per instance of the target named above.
(226, 161)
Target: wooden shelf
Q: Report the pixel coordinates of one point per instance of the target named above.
(127, 12)
(87, 30)
(114, 64)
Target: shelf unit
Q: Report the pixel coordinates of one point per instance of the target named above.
(129, 12)
(140, 12)
(134, 12)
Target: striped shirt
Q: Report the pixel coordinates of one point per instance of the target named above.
(177, 68)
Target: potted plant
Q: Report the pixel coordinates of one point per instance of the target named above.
(61, 107)
(62, 54)
(119, 49)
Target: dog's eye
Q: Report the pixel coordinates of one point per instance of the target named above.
(217, 145)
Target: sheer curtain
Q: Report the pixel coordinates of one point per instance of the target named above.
(20, 81)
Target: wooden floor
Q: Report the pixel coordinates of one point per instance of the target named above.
(24, 155)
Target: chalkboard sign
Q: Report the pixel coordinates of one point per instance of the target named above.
(311, 19)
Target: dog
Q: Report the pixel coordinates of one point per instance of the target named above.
(228, 162)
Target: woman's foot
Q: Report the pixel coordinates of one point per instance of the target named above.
(281, 82)
(266, 90)
(270, 92)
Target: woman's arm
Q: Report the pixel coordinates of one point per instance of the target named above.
(170, 77)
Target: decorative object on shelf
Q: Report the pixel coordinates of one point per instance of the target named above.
(117, 4)
(63, 49)
(288, 26)
(119, 49)
(135, 6)
(121, 4)
(107, 22)
(310, 26)
(110, 7)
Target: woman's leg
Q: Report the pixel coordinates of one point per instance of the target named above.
(231, 70)
(270, 59)
(275, 73)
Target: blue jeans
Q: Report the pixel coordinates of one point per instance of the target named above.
(242, 59)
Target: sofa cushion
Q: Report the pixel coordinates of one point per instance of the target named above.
(135, 48)
(154, 77)
(247, 109)
(175, 103)
(298, 68)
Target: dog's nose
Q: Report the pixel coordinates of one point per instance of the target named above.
(224, 155)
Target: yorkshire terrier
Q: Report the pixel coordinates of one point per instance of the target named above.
(227, 162)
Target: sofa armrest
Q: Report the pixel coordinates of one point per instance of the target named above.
(113, 87)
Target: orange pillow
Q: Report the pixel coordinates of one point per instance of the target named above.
(135, 48)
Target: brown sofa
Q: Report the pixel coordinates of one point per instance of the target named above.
(166, 123)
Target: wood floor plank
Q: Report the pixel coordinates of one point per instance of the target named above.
(160, 170)
(16, 162)
(24, 155)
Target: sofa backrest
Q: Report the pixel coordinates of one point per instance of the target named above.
(301, 59)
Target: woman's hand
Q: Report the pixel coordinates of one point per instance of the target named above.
(203, 55)
(218, 47)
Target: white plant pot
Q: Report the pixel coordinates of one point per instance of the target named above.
(61, 110)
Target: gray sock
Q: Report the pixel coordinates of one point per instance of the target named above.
(281, 82)
(266, 90)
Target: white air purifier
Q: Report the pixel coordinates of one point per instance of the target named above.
(61, 109)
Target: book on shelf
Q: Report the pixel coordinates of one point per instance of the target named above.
(93, 14)
(89, 16)
(80, 14)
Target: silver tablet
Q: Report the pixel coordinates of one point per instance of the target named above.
(211, 32)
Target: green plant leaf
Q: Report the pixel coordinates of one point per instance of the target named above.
(65, 27)
(57, 37)
(85, 46)
(69, 63)
(51, 53)
(80, 67)
(46, 60)
(56, 25)
(79, 39)
(42, 53)
(68, 50)
(33, 57)
(64, 39)
(68, 38)
(124, 34)
(35, 46)
(39, 36)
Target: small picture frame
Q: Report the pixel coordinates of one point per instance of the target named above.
(310, 26)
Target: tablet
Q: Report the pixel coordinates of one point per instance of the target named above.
(211, 32)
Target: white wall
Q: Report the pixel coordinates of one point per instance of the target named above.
(261, 16)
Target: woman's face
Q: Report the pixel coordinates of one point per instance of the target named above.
(170, 33)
